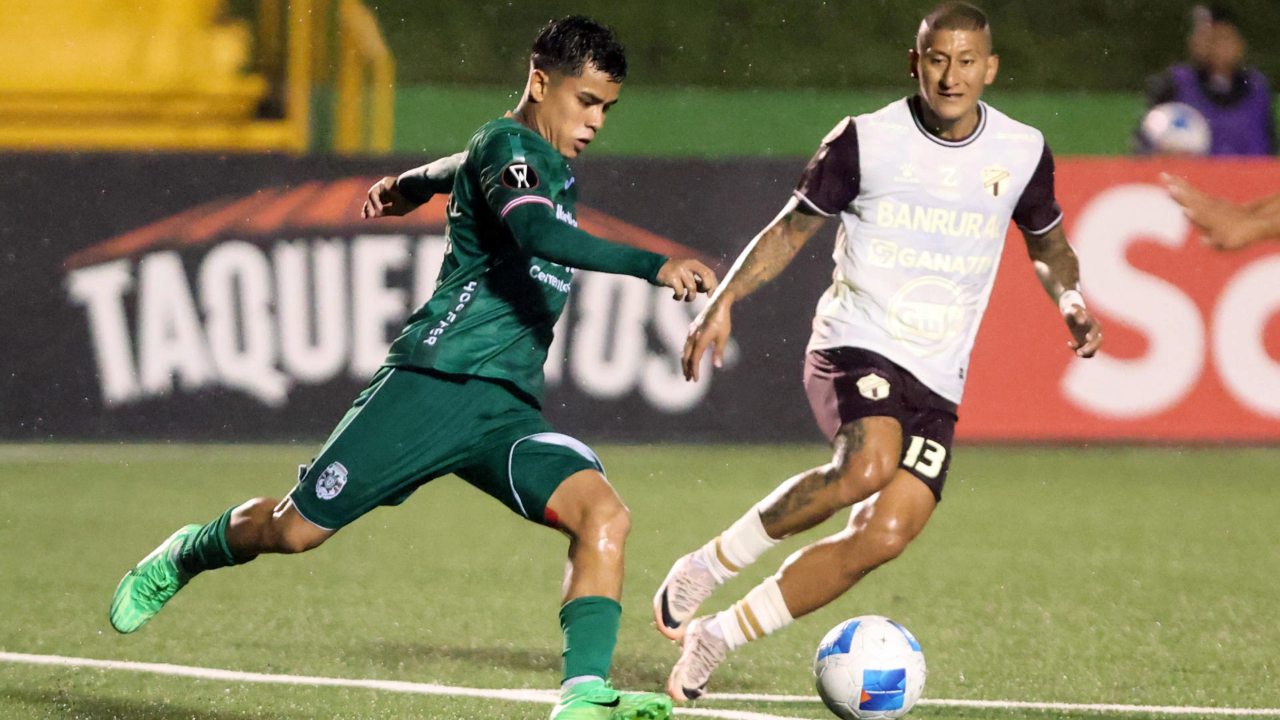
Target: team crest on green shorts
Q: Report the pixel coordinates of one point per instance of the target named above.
(331, 481)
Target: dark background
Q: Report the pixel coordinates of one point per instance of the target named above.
(1048, 45)
(49, 389)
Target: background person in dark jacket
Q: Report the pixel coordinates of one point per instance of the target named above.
(1235, 100)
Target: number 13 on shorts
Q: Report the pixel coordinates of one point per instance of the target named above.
(924, 456)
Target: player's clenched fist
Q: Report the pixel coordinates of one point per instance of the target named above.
(385, 199)
(687, 278)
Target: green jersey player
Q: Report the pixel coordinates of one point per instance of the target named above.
(460, 389)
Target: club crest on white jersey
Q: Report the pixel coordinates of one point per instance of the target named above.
(995, 180)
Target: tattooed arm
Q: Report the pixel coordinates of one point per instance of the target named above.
(1059, 272)
(762, 260)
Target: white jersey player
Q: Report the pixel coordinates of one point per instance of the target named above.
(925, 189)
(922, 225)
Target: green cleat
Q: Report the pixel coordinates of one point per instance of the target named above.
(642, 706)
(146, 588)
(590, 700)
(597, 700)
(593, 700)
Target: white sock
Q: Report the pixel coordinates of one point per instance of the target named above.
(712, 625)
(739, 546)
(575, 680)
(761, 612)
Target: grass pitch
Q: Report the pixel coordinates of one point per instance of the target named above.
(1135, 576)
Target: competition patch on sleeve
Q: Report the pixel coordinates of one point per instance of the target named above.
(520, 176)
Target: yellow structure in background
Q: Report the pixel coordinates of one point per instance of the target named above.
(184, 75)
(366, 101)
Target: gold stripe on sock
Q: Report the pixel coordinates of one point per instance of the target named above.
(724, 560)
(742, 623)
(751, 618)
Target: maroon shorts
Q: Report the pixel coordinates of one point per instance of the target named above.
(848, 383)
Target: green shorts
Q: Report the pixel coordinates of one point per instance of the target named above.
(410, 427)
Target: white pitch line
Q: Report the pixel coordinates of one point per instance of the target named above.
(732, 714)
(549, 696)
(1023, 705)
(542, 696)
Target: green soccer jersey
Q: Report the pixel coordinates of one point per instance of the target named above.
(499, 293)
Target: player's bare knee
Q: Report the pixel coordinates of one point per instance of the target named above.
(881, 546)
(612, 522)
(862, 475)
(605, 527)
(255, 512)
(252, 521)
(622, 523)
(586, 506)
(292, 534)
(299, 539)
(864, 551)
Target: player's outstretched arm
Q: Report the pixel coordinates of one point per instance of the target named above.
(396, 196)
(538, 232)
(762, 260)
(1223, 224)
(1059, 272)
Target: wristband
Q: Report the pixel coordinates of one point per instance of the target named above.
(1068, 300)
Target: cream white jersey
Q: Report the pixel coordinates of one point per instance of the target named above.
(922, 227)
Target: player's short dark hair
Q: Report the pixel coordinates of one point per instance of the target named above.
(953, 16)
(569, 44)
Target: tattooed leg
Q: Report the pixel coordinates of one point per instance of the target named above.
(865, 459)
(877, 533)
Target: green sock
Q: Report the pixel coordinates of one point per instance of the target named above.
(590, 626)
(207, 548)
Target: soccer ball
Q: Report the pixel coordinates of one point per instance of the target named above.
(869, 667)
(1177, 128)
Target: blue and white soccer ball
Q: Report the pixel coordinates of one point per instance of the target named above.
(1177, 129)
(869, 667)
